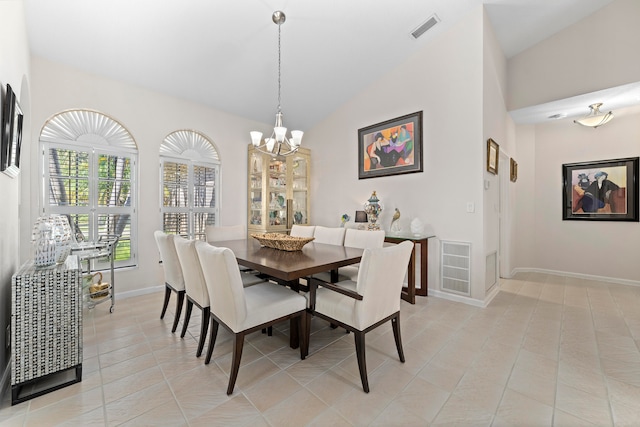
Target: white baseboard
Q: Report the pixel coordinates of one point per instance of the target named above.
(457, 298)
(577, 275)
(138, 292)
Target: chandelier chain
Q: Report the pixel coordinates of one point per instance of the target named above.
(279, 54)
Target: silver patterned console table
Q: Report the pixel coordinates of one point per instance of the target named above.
(46, 329)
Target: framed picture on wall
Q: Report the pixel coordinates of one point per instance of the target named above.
(11, 134)
(493, 150)
(390, 148)
(513, 170)
(605, 190)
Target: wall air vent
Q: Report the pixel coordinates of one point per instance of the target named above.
(433, 20)
(455, 267)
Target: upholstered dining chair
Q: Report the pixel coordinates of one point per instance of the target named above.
(355, 238)
(243, 310)
(218, 233)
(173, 279)
(360, 306)
(298, 230)
(329, 235)
(195, 286)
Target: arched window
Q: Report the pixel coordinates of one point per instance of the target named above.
(89, 176)
(190, 173)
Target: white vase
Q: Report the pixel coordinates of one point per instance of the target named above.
(417, 227)
(44, 247)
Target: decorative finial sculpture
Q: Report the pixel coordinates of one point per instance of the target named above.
(395, 224)
(373, 207)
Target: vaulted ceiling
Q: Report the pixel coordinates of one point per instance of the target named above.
(223, 53)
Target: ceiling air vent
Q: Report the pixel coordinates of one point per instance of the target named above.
(433, 20)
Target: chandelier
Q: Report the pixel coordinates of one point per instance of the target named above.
(595, 118)
(278, 144)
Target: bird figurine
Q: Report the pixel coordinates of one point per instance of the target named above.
(395, 225)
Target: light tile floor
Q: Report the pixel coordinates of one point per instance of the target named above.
(548, 350)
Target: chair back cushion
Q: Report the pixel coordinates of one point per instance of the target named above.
(216, 233)
(193, 278)
(302, 230)
(380, 278)
(363, 239)
(170, 261)
(329, 235)
(224, 284)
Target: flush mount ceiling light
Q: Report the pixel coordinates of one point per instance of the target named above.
(278, 144)
(595, 118)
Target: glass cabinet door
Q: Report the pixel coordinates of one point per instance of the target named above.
(255, 189)
(277, 193)
(300, 190)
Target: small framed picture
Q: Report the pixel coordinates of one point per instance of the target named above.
(492, 156)
(513, 170)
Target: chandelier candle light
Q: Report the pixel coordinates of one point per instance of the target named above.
(278, 144)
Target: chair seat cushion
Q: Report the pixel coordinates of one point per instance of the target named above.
(249, 279)
(338, 306)
(267, 301)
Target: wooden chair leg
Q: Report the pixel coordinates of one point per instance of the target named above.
(212, 340)
(307, 332)
(235, 364)
(179, 305)
(395, 323)
(187, 316)
(302, 327)
(204, 327)
(362, 361)
(167, 295)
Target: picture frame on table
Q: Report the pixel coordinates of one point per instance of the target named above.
(493, 150)
(605, 190)
(391, 147)
(10, 134)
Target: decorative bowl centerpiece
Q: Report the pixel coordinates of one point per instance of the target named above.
(282, 242)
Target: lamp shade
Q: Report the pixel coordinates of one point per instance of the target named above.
(595, 118)
(361, 216)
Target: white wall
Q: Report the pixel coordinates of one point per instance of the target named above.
(444, 80)
(595, 248)
(599, 52)
(149, 117)
(14, 70)
(524, 253)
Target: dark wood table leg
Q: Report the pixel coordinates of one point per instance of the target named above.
(424, 277)
(409, 292)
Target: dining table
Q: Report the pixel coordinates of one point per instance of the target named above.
(288, 267)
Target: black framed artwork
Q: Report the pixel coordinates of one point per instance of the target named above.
(391, 147)
(605, 190)
(11, 134)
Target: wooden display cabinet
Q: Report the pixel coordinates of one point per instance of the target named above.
(278, 190)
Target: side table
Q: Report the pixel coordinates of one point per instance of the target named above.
(46, 329)
(409, 292)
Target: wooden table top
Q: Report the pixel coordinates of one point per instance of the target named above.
(313, 258)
